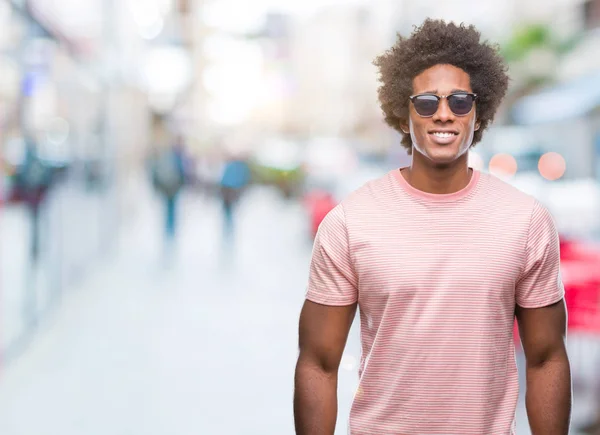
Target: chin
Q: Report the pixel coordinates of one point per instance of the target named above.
(442, 156)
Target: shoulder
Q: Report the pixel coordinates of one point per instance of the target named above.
(504, 188)
(370, 194)
(506, 195)
(365, 200)
(514, 205)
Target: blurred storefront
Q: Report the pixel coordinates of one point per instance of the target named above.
(62, 89)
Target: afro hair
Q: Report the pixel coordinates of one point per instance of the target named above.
(437, 42)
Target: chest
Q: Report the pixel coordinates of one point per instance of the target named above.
(438, 264)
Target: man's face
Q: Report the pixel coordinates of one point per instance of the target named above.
(443, 137)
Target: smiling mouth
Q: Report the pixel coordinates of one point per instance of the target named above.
(445, 134)
(443, 138)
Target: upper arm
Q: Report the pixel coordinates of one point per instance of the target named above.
(332, 277)
(332, 295)
(540, 310)
(323, 333)
(543, 332)
(540, 284)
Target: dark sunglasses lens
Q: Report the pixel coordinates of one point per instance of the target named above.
(460, 104)
(426, 105)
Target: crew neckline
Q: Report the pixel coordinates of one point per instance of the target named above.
(408, 188)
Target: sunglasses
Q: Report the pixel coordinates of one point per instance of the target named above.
(460, 103)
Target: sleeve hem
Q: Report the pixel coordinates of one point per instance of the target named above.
(323, 300)
(544, 302)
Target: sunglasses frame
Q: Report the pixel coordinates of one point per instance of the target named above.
(440, 97)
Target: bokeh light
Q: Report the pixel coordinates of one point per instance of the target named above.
(503, 165)
(552, 166)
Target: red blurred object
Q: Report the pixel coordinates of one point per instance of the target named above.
(318, 203)
(580, 269)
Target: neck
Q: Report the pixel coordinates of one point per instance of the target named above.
(438, 179)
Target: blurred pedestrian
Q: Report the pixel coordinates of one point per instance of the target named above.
(438, 257)
(169, 176)
(33, 179)
(235, 178)
(319, 202)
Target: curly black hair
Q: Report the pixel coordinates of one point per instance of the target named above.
(437, 42)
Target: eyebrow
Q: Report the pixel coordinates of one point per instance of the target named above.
(452, 91)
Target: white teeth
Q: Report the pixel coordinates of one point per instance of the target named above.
(440, 134)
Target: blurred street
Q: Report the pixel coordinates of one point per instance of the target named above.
(158, 202)
(144, 348)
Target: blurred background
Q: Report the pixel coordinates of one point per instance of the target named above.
(165, 165)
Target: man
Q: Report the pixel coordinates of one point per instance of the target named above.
(439, 258)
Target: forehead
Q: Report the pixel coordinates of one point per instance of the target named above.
(442, 79)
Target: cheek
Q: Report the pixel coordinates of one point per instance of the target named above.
(416, 128)
(468, 133)
(411, 129)
(470, 127)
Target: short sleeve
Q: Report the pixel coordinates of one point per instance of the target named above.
(540, 284)
(332, 278)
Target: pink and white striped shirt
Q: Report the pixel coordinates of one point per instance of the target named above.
(436, 278)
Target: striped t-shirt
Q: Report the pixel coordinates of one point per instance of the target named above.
(436, 278)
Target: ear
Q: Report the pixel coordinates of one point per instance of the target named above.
(477, 125)
(404, 127)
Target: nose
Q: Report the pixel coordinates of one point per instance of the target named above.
(443, 114)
